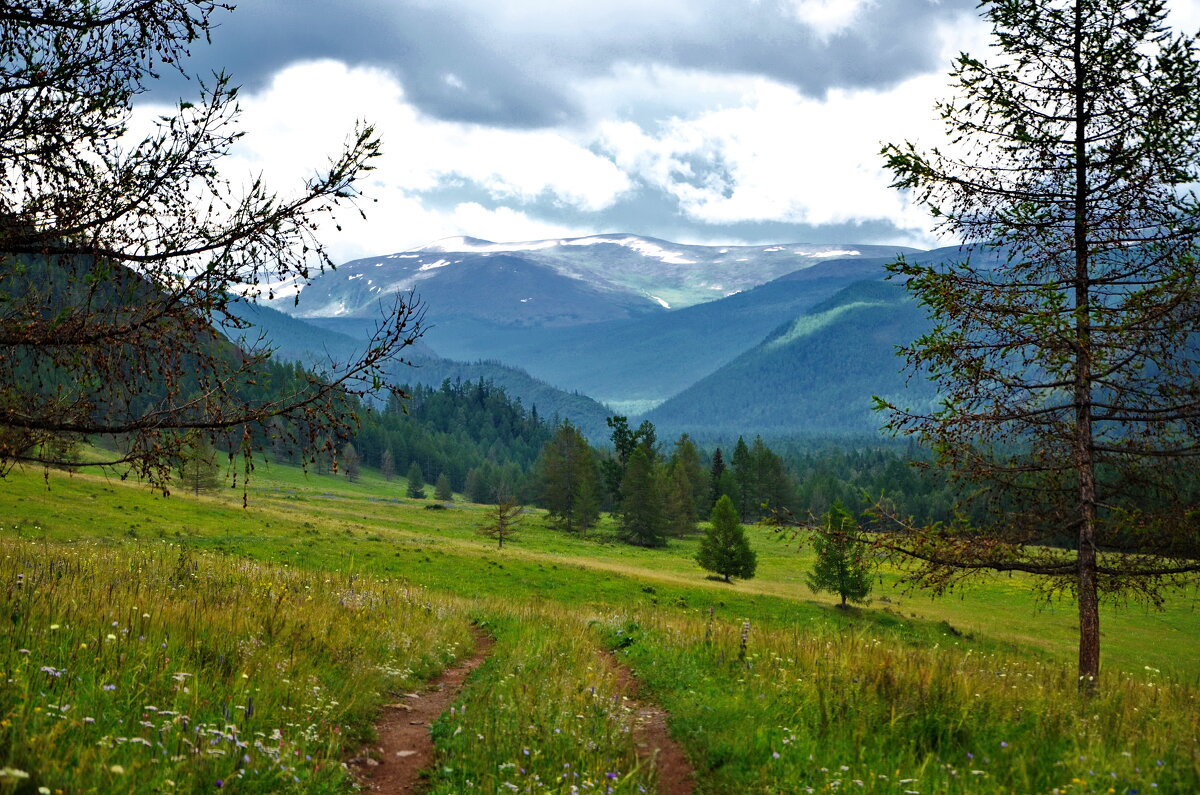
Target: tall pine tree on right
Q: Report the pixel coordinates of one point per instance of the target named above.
(1065, 342)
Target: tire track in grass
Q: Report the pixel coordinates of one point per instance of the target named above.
(405, 748)
(655, 746)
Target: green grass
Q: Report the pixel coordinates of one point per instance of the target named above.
(904, 688)
(151, 668)
(545, 713)
(814, 710)
(325, 523)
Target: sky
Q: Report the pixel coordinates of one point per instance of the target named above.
(695, 121)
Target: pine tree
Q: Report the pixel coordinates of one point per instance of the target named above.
(725, 550)
(586, 509)
(348, 462)
(1069, 393)
(443, 490)
(477, 488)
(416, 482)
(842, 565)
(642, 521)
(688, 457)
(505, 520)
(198, 468)
(773, 488)
(715, 478)
(567, 475)
(625, 441)
(681, 502)
(743, 474)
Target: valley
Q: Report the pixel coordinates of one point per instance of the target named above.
(587, 317)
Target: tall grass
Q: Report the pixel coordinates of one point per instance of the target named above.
(821, 710)
(545, 713)
(157, 669)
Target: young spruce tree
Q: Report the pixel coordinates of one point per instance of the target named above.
(842, 566)
(416, 482)
(725, 549)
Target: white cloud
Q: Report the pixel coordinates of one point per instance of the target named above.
(306, 112)
(780, 156)
(827, 17)
(728, 148)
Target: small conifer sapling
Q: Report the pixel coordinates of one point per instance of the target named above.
(842, 566)
(725, 550)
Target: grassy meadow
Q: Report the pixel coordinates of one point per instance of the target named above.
(187, 643)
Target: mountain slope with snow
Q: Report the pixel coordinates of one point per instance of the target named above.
(600, 277)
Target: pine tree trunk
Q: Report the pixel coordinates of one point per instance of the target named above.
(1089, 614)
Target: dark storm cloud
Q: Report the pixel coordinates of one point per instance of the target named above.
(515, 67)
(445, 70)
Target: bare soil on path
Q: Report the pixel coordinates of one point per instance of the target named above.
(652, 738)
(405, 747)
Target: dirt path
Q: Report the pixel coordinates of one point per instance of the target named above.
(653, 740)
(405, 747)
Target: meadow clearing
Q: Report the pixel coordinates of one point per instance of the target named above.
(187, 643)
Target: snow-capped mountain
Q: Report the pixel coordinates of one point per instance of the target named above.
(564, 281)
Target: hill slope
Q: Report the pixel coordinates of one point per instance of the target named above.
(314, 345)
(815, 374)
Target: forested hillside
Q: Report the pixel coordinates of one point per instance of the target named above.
(815, 374)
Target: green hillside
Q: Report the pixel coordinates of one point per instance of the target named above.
(297, 340)
(815, 374)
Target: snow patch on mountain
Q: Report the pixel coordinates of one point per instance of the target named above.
(640, 245)
(837, 252)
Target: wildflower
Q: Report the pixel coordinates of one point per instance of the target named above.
(111, 636)
(774, 754)
(109, 687)
(117, 769)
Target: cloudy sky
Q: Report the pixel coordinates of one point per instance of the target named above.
(697, 121)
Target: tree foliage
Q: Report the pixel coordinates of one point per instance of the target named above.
(1068, 373)
(415, 488)
(843, 565)
(349, 463)
(504, 520)
(456, 428)
(724, 549)
(442, 489)
(680, 501)
(642, 520)
(198, 467)
(119, 255)
(568, 475)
